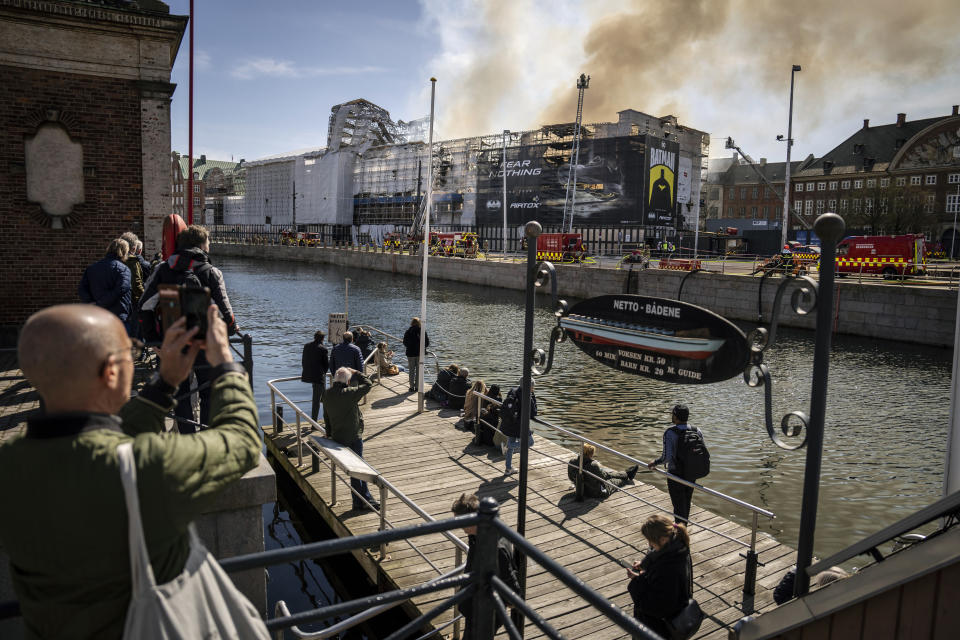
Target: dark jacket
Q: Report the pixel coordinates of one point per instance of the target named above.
(365, 344)
(511, 427)
(314, 363)
(592, 487)
(342, 417)
(666, 583)
(411, 341)
(457, 392)
(145, 266)
(173, 270)
(346, 354)
(506, 571)
(489, 420)
(106, 283)
(439, 389)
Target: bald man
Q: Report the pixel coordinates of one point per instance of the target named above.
(63, 519)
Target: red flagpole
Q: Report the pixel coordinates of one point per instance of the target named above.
(190, 119)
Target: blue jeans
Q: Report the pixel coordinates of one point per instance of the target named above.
(512, 445)
(359, 485)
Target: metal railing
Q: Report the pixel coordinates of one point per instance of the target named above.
(482, 585)
(380, 332)
(387, 489)
(751, 557)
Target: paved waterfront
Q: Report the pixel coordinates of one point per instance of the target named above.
(432, 463)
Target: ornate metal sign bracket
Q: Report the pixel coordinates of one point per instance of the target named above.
(794, 424)
(545, 272)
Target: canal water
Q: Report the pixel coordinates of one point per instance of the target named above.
(887, 410)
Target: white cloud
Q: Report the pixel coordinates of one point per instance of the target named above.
(271, 67)
(201, 60)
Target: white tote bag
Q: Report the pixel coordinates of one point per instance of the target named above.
(201, 602)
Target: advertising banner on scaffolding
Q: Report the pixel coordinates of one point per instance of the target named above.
(660, 190)
(610, 182)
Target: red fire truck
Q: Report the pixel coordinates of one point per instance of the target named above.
(562, 247)
(890, 256)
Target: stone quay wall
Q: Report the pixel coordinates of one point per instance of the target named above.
(917, 314)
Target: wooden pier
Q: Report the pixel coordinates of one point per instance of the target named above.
(432, 462)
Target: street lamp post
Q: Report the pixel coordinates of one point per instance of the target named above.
(506, 134)
(953, 231)
(786, 182)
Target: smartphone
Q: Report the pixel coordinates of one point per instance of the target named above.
(168, 305)
(194, 303)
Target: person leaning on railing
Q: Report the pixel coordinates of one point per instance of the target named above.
(66, 534)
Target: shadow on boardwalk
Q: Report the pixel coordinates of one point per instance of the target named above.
(432, 463)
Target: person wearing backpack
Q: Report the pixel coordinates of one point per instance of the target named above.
(189, 266)
(686, 456)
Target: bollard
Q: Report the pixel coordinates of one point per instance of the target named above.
(278, 420)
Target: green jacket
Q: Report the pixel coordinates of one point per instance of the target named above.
(136, 280)
(341, 413)
(64, 521)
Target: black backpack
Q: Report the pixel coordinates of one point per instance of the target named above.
(150, 319)
(510, 411)
(693, 459)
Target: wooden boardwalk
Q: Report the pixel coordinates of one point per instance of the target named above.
(432, 462)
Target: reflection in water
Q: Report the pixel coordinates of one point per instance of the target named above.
(887, 409)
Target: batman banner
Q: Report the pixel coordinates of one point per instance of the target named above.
(609, 182)
(660, 191)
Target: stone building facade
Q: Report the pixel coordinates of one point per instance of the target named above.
(84, 140)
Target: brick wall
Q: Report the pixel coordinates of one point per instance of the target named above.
(40, 266)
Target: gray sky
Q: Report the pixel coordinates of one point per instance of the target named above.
(266, 74)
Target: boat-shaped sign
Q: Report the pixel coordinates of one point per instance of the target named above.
(658, 338)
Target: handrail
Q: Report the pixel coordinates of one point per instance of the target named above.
(436, 359)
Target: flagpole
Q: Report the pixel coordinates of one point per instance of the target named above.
(426, 253)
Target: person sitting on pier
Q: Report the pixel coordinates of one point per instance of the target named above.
(343, 421)
(384, 361)
(439, 389)
(489, 418)
(590, 483)
(346, 354)
(661, 584)
(67, 536)
(471, 405)
(506, 569)
(457, 391)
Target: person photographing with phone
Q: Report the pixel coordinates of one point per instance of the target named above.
(68, 542)
(189, 269)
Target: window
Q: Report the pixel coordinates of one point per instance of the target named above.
(871, 183)
(196, 202)
(810, 186)
(928, 205)
(743, 212)
(821, 186)
(753, 212)
(914, 180)
(808, 206)
(833, 185)
(831, 205)
(883, 205)
(868, 205)
(884, 182)
(733, 194)
(799, 187)
(819, 207)
(843, 206)
(931, 180)
(767, 194)
(766, 212)
(953, 204)
(196, 188)
(743, 193)
(777, 211)
(901, 181)
(756, 193)
(953, 178)
(845, 184)
(798, 206)
(858, 184)
(855, 205)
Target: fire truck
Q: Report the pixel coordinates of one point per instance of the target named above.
(561, 247)
(303, 239)
(890, 256)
